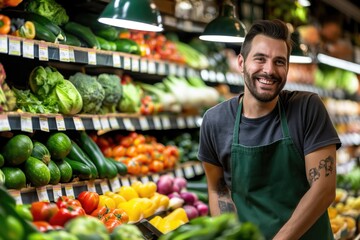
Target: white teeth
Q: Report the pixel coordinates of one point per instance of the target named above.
(265, 81)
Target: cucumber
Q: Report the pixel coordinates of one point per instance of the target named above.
(104, 44)
(127, 46)
(65, 171)
(42, 33)
(121, 167)
(109, 34)
(77, 154)
(71, 40)
(55, 174)
(84, 33)
(112, 169)
(79, 169)
(36, 172)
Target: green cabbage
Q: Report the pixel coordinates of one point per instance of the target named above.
(70, 100)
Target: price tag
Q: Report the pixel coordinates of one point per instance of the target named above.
(144, 124)
(212, 76)
(3, 44)
(133, 179)
(69, 190)
(155, 177)
(190, 122)
(171, 174)
(191, 72)
(145, 179)
(114, 123)
(60, 123)
(92, 58)
(189, 172)
(57, 191)
(152, 67)
(116, 60)
(198, 169)
(162, 69)
(143, 66)
(105, 123)
(104, 186)
(79, 125)
(44, 124)
(125, 181)
(205, 75)
(172, 69)
(220, 77)
(42, 194)
(181, 71)
(179, 172)
(96, 122)
(71, 55)
(43, 52)
(64, 53)
(166, 122)
(28, 49)
(4, 123)
(135, 65)
(16, 194)
(128, 124)
(91, 186)
(188, 26)
(127, 63)
(115, 184)
(14, 47)
(26, 123)
(157, 122)
(181, 122)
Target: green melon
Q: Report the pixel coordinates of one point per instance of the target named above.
(59, 145)
(36, 172)
(14, 178)
(17, 150)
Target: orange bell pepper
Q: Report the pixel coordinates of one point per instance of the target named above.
(5, 24)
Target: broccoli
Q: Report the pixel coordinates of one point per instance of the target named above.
(113, 91)
(49, 9)
(91, 91)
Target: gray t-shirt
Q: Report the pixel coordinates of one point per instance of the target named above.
(309, 124)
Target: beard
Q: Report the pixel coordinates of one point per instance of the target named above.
(250, 82)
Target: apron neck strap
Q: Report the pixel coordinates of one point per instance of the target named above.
(283, 121)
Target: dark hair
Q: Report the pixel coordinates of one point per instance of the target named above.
(276, 29)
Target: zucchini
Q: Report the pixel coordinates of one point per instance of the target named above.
(94, 153)
(71, 40)
(79, 169)
(77, 154)
(84, 33)
(109, 34)
(112, 169)
(121, 167)
(42, 33)
(104, 44)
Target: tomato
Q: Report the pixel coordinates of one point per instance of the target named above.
(126, 142)
(156, 166)
(12, 3)
(140, 139)
(111, 224)
(89, 201)
(102, 142)
(43, 211)
(119, 151)
(100, 211)
(144, 169)
(42, 226)
(65, 201)
(131, 151)
(133, 167)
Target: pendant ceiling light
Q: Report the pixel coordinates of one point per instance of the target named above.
(132, 14)
(226, 27)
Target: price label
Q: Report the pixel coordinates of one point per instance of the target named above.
(71, 55)
(3, 44)
(145, 179)
(188, 26)
(43, 52)
(190, 121)
(128, 124)
(198, 169)
(16, 194)
(79, 125)
(181, 71)
(44, 124)
(171, 174)
(42, 194)
(189, 172)
(162, 69)
(127, 63)
(152, 67)
(60, 123)
(166, 122)
(116, 60)
(91, 186)
(28, 49)
(155, 177)
(114, 123)
(96, 122)
(220, 77)
(181, 122)
(157, 122)
(14, 47)
(135, 65)
(105, 123)
(212, 76)
(26, 123)
(57, 191)
(133, 179)
(172, 69)
(104, 186)
(115, 184)
(92, 58)
(143, 66)
(64, 53)
(4, 123)
(205, 75)
(125, 181)
(69, 190)
(144, 124)
(179, 172)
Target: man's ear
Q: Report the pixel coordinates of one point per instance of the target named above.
(241, 63)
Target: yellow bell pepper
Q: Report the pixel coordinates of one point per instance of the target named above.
(161, 201)
(128, 192)
(177, 214)
(170, 222)
(144, 190)
(133, 210)
(116, 197)
(106, 201)
(27, 30)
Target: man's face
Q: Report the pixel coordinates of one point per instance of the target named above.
(265, 68)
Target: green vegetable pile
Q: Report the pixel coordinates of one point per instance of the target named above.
(113, 91)
(49, 9)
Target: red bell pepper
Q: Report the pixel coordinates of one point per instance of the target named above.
(65, 214)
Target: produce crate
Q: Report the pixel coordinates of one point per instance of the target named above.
(148, 230)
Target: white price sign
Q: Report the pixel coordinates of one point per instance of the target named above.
(16, 194)
(3, 44)
(28, 49)
(104, 186)
(128, 124)
(26, 123)
(57, 191)
(60, 123)
(105, 123)
(114, 123)
(71, 55)
(96, 122)
(152, 67)
(91, 186)
(14, 47)
(43, 52)
(79, 125)
(116, 61)
(42, 194)
(92, 58)
(157, 122)
(125, 181)
(64, 53)
(115, 184)
(4, 123)
(181, 122)
(127, 63)
(69, 190)
(144, 124)
(135, 65)
(44, 124)
(143, 66)
(166, 122)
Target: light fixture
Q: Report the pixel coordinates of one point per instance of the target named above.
(226, 27)
(298, 51)
(132, 14)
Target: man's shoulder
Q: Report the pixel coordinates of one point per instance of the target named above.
(224, 106)
(297, 97)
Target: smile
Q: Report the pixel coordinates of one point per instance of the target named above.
(266, 81)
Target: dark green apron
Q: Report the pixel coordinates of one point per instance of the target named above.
(268, 182)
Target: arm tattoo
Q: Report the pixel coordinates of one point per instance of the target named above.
(327, 164)
(224, 199)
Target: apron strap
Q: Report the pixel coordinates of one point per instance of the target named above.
(283, 121)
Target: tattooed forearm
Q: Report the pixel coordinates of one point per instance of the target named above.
(327, 164)
(224, 198)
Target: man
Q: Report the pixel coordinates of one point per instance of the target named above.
(270, 154)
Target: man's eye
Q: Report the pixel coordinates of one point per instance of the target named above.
(280, 63)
